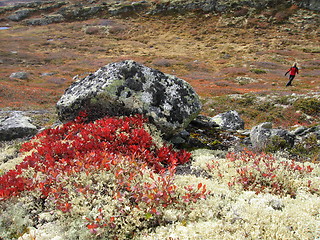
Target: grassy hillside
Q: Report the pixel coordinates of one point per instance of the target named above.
(220, 55)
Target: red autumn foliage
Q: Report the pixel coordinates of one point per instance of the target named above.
(155, 196)
(78, 146)
(260, 173)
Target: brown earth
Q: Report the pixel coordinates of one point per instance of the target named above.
(209, 51)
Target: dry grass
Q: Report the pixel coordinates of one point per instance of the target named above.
(197, 48)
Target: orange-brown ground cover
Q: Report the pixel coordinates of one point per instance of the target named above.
(199, 48)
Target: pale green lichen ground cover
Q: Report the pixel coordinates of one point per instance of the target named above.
(227, 213)
(237, 214)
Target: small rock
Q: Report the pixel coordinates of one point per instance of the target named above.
(299, 130)
(20, 75)
(229, 120)
(16, 126)
(262, 134)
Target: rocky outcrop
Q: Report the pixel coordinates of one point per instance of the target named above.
(20, 14)
(16, 126)
(222, 6)
(181, 6)
(23, 11)
(91, 9)
(48, 19)
(80, 12)
(128, 87)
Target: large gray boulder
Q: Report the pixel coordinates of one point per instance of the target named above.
(16, 126)
(126, 88)
(262, 135)
(229, 120)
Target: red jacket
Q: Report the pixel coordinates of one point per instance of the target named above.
(293, 70)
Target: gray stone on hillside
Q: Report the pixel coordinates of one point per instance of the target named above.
(316, 130)
(262, 135)
(53, 18)
(309, 4)
(19, 75)
(20, 14)
(245, 80)
(80, 12)
(209, 5)
(202, 121)
(126, 88)
(127, 8)
(16, 126)
(299, 131)
(229, 120)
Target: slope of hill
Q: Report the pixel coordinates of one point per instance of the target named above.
(244, 51)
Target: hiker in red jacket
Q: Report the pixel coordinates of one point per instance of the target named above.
(293, 71)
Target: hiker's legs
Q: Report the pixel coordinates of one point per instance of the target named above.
(291, 77)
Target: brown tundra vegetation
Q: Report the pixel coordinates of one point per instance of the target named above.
(234, 59)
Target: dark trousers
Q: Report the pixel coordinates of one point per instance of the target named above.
(291, 77)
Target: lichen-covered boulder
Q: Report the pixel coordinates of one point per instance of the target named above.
(229, 120)
(126, 88)
(16, 126)
(262, 135)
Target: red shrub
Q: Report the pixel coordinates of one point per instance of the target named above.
(265, 173)
(77, 146)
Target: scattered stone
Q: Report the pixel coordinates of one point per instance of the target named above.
(79, 11)
(262, 135)
(299, 130)
(245, 80)
(20, 75)
(229, 120)
(21, 14)
(47, 74)
(126, 88)
(54, 18)
(310, 4)
(126, 9)
(202, 121)
(16, 126)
